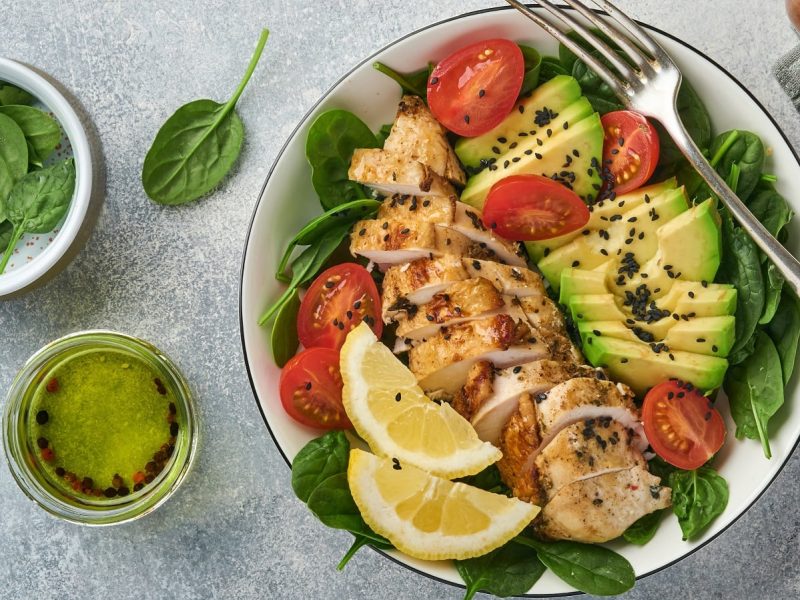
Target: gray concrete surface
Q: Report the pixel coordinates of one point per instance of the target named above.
(235, 530)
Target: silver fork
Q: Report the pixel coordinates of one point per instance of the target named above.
(649, 85)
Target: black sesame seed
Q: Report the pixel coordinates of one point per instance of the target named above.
(466, 119)
(481, 93)
(434, 80)
(398, 397)
(42, 417)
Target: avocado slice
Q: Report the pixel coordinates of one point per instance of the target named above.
(599, 213)
(634, 234)
(595, 307)
(579, 282)
(550, 98)
(639, 366)
(558, 160)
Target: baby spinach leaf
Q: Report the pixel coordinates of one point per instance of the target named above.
(197, 146)
(6, 231)
(769, 207)
(746, 151)
(359, 542)
(300, 268)
(775, 282)
(11, 94)
(550, 68)
(784, 329)
(597, 91)
(511, 570)
(13, 158)
(411, 83)
(332, 138)
(489, 480)
(533, 62)
(697, 121)
(698, 497)
(755, 391)
(588, 568)
(284, 338)
(383, 133)
(42, 133)
(643, 530)
(319, 459)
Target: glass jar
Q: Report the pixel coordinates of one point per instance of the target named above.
(40, 483)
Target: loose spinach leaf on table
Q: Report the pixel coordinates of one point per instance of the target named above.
(332, 138)
(698, 497)
(643, 530)
(746, 151)
(11, 94)
(511, 570)
(38, 202)
(415, 83)
(784, 329)
(41, 131)
(774, 286)
(533, 62)
(283, 338)
(13, 158)
(755, 391)
(197, 146)
(588, 568)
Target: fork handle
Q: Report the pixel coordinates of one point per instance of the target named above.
(787, 264)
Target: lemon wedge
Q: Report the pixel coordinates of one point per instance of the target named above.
(429, 517)
(395, 417)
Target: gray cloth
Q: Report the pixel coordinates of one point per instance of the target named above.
(787, 72)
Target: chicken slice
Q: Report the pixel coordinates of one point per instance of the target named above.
(417, 135)
(395, 173)
(543, 313)
(408, 285)
(600, 509)
(442, 362)
(467, 221)
(517, 440)
(477, 389)
(429, 209)
(585, 450)
(511, 280)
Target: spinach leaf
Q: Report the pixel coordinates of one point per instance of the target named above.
(13, 159)
(588, 568)
(746, 151)
(550, 68)
(11, 94)
(597, 92)
(489, 480)
(698, 497)
(6, 231)
(314, 229)
(697, 121)
(283, 339)
(755, 391)
(741, 267)
(769, 207)
(533, 62)
(197, 146)
(42, 133)
(317, 460)
(38, 202)
(511, 570)
(774, 287)
(332, 138)
(411, 83)
(359, 542)
(383, 133)
(643, 530)
(784, 329)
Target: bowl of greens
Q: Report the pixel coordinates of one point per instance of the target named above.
(46, 178)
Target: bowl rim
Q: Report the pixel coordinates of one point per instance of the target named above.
(300, 124)
(16, 73)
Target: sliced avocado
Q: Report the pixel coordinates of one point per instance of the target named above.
(581, 281)
(595, 307)
(601, 211)
(638, 365)
(558, 161)
(632, 235)
(710, 300)
(550, 98)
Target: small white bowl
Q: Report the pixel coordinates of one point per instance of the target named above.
(54, 251)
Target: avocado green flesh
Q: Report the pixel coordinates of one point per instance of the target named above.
(554, 95)
(106, 418)
(584, 137)
(636, 364)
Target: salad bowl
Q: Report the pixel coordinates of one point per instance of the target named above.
(288, 201)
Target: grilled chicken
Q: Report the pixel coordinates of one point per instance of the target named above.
(408, 285)
(394, 173)
(601, 508)
(519, 437)
(513, 281)
(417, 135)
(428, 209)
(467, 221)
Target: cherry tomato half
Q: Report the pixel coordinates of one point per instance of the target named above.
(681, 424)
(473, 89)
(337, 301)
(311, 389)
(533, 207)
(630, 150)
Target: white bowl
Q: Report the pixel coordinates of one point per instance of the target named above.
(373, 97)
(48, 253)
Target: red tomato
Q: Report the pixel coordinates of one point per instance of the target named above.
(630, 150)
(311, 389)
(472, 90)
(338, 300)
(681, 424)
(533, 207)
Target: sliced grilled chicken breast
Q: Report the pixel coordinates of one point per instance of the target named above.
(408, 285)
(518, 439)
(442, 362)
(428, 209)
(467, 221)
(511, 280)
(585, 450)
(601, 508)
(417, 135)
(394, 173)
